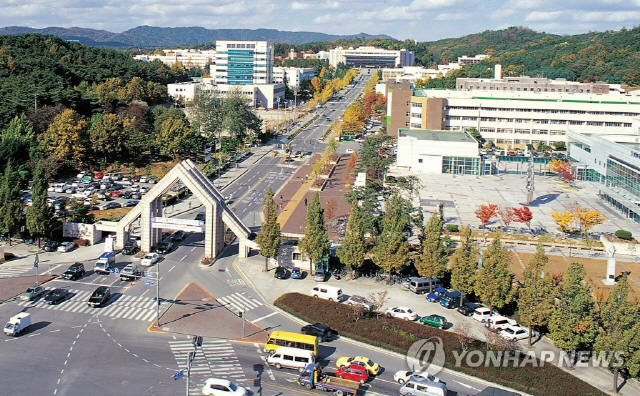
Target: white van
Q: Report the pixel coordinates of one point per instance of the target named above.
(421, 285)
(331, 293)
(423, 387)
(291, 358)
(481, 314)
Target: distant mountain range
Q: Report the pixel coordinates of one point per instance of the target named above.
(151, 36)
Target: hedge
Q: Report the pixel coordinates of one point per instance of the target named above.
(451, 227)
(398, 335)
(623, 234)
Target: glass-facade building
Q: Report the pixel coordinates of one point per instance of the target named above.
(243, 63)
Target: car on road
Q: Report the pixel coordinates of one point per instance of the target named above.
(281, 273)
(296, 273)
(75, 271)
(32, 292)
(130, 273)
(349, 151)
(149, 259)
(100, 296)
(359, 301)
(320, 275)
(66, 246)
(200, 216)
(403, 376)
(353, 372)
(466, 309)
(178, 235)
(371, 367)
(436, 321)
(321, 330)
(50, 246)
(56, 296)
(514, 333)
(402, 313)
(130, 248)
(165, 247)
(222, 387)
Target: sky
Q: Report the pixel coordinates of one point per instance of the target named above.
(422, 20)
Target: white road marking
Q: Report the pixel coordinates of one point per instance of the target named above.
(264, 317)
(466, 386)
(170, 269)
(182, 259)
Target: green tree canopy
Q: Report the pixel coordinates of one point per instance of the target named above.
(354, 247)
(493, 283)
(464, 264)
(268, 238)
(315, 243)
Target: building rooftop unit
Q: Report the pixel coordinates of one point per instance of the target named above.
(442, 136)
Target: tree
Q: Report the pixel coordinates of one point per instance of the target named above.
(571, 325)
(523, 215)
(506, 215)
(562, 168)
(207, 112)
(177, 139)
(486, 213)
(268, 238)
(392, 251)
(331, 208)
(15, 141)
(10, 204)
(39, 214)
(477, 136)
(493, 283)
(316, 84)
(432, 261)
(537, 295)
(464, 265)
(618, 317)
(354, 247)
(65, 139)
(562, 219)
(107, 135)
(587, 218)
(238, 118)
(315, 243)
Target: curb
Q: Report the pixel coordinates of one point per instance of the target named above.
(362, 344)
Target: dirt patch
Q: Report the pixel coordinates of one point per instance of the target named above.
(110, 214)
(11, 287)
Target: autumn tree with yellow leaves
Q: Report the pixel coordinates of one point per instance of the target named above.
(587, 218)
(563, 219)
(66, 138)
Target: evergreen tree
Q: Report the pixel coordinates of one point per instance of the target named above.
(464, 265)
(353, 244)
(494, 280)
(10, 204)
(392, 251)
(39, 214)
(572, 325)
(269, 236)
(432, 261)
(537, 296)
(315, 243)
(618, 318)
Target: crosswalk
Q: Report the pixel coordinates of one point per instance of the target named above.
(236, 282)
(12, 272)
(238, 302)
(215, 358)
(125, 307)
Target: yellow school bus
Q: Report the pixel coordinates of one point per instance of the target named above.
(292, 340)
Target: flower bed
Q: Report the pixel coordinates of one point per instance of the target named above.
(318, 185)
(398, 335)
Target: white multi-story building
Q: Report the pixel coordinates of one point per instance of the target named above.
(294, 76)
(322, 55)
(243, 62)
(413, 73)
(257, 95)
(188, 58)
(370, 57)
(468, 60)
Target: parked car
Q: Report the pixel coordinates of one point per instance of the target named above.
(149, 259)
(437, 321)
(466, 309)
(359, 301)
(56, 296)
(50, 246)
(320, 275)
(451, 299)
(321, 330)
(402, 313)
(499, 322)
(372, 367)
(66, 246)
(296, 273)
(75, 271)
(165, 247)
(130, 203)
(32, 292)
(353, 372)
(130, 248)
(116, 193)
(437, 293)
(331, 293)
(481, 314)
(144, 179)
(98, 175)
(514, 333)
(403, 376)
(281, 273)
(200, 216)
(135, 178)
(100, 296)
(178, 235)
(349, 151)
(222, 387)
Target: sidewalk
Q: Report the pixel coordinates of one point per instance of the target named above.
(270, 289)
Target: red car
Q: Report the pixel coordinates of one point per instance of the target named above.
(98, 175)
(354, 372)
(116, 193)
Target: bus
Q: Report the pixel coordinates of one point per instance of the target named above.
(293, 340)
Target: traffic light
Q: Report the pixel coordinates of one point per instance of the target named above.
(197, 341)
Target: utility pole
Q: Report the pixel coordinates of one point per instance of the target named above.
(158, 296)
(530, 177)
(35, 101)
(295, 102)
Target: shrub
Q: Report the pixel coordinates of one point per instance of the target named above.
(623, 234)
(402, 179)
(398, 335)
(452, 228)
(8, 256)
(205, 261)
(391, 179)
(81, 242)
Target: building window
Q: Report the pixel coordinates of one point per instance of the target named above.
(419, 160)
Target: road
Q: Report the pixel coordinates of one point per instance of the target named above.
(75, 349)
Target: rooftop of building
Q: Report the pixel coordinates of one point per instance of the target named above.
(436, 135)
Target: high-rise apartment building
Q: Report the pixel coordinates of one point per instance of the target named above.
(243, 62)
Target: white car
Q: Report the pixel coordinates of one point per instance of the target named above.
(403, 376)
(481, 314)
(349, 151)
(498, 322)
(144, 179)
(149, 259)
(514, 333)
(144, 190)
(402, 313)
(220, 387)
(66, 246)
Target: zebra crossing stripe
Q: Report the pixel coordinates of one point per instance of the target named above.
(150, 316)
(248, 302)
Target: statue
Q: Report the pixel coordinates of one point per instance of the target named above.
(612, 251)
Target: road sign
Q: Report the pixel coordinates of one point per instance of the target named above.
(149, 282)
(116, 271)
(112, 271)
(178, 375)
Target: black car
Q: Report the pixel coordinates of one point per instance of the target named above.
(75, 271)
(466, 309)
(281, 273)
(126, 195)
(56, 296)
(178, 235)
(165, 247)
(50, 246)
(130, 248)
(319, 330)
(100, 296)
(200, 216)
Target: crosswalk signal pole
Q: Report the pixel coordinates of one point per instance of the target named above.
(190, 358)
(158, 296)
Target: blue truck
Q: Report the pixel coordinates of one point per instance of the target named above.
(105, 263)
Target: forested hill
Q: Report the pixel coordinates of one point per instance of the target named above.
(51, 70)
(151, 36)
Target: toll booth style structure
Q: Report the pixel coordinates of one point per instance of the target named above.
(152, 222)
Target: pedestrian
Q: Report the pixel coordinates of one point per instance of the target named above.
(281, 199)
(281, 207)
(189, 205)
(305, 201)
